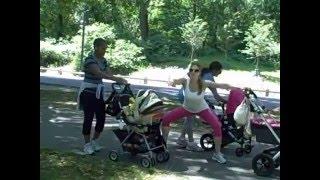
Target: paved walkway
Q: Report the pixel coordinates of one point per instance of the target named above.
(60, 128)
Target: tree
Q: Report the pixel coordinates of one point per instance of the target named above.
(143, 16)
(194, 33)
(57, 19)
(260, 44)
(230, 34)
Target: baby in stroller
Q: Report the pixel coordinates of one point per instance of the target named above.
(231, 132)
(139, 124)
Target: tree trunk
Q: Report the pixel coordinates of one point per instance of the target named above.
(257, 72)
(115, 14)
(60, 24)
(192, 52)
(60, 19)
(194, 9)
(143, 18)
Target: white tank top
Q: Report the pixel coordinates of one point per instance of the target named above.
(193, 102)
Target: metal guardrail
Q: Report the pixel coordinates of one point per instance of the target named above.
(145, 79)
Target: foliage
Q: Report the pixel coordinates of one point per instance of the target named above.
(194, 33)
(260, 44)
(52, 58)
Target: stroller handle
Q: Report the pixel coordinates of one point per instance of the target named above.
(115, 84)
(121, 88)
(219, 103)
(248, 91)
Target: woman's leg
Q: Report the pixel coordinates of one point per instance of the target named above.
(213, 120)
(171, 116)
(88, 110)
(183, 131)
(188, 125)
(187, 128)
(100, 118)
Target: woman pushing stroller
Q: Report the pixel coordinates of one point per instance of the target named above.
(195, 104)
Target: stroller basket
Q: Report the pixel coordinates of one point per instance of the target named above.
(262, 132)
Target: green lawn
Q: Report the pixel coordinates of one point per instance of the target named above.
(268, 72)
(228, 63)
(56, 164)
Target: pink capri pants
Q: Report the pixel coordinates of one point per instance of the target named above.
(206, 115)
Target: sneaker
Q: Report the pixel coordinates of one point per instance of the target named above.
(219, 158)
(95, 145)
(88, 149)
(192, 146)
(182, 142)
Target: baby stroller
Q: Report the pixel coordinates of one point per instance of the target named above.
(266, 130)
(230, 132)
(139, 124)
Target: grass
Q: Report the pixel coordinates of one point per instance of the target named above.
(268, 73)
(271, 76)
(56, 164)
(228, 63)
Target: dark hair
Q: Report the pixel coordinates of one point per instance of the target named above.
(200, 83)
(98, 42)
(215, 65)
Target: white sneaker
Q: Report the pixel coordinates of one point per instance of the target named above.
(219, 158)
(88, 149)
(95, 146)
(182, 142)
(192, 146)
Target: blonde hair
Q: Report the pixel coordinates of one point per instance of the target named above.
(200, 82)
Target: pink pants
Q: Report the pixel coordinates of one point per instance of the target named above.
(206, 115)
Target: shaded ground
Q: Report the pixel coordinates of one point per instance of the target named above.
(60, 128)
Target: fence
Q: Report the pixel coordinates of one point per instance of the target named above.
(144, 79)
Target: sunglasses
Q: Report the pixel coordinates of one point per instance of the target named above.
(194, 70)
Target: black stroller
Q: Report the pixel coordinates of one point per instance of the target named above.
(136, 137)
(266, 130)
(230, 133)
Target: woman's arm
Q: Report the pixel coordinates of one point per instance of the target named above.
(211, 84)
(175, 82)
(94, 69)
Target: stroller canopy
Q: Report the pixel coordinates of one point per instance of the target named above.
(144, 104)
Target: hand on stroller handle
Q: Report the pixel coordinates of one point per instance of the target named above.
(119, 86)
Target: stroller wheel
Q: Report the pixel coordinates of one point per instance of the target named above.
(162, 156)
(263, 165)
(166, 156)
(113, 156)
(277, 163)
(206, 142)
(153, 162)
(145, 162)
(133, 153)
(239, 152)
(247, 148)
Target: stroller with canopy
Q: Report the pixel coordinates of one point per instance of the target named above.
(230, 131)
(139, 124)
(266, 130)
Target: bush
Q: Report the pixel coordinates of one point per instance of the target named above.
(93, 31)
(52, 58)
(65, 51)
(125, 57)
